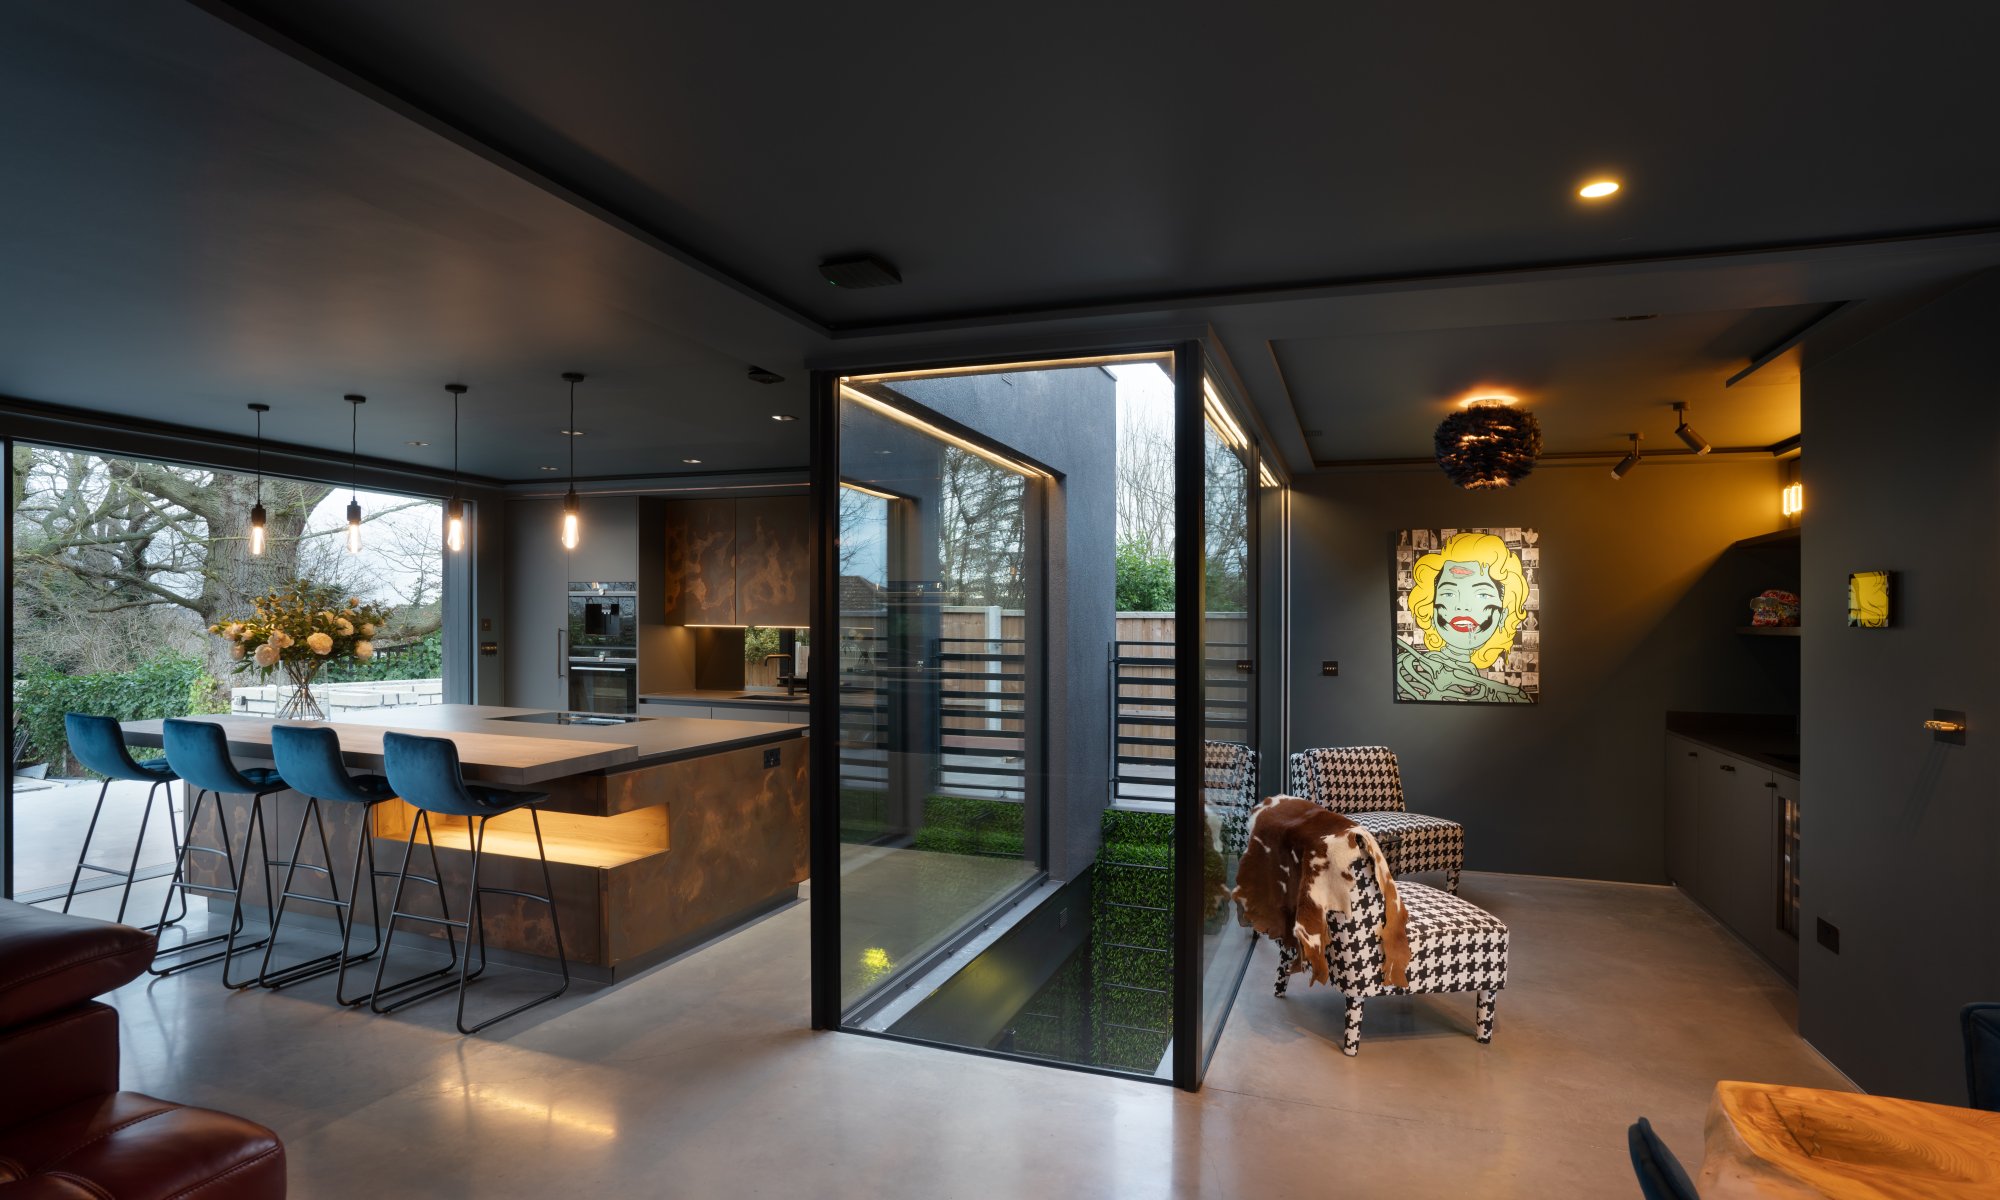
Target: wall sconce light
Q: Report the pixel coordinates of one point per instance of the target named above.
(1792, 500)
(1631, 460)
(1686, 433)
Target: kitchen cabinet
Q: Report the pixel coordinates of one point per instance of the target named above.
(1726, 844)
(738, 562)
(1683, 816)
(773, 562)
(536, 653)
(673, 708)
(700, 563)
(609, 546)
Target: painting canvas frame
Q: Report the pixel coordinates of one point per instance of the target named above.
(1467, 629)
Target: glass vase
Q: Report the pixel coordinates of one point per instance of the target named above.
(300, 704)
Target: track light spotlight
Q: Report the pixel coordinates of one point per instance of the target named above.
(1631, 460)
(1686, 433)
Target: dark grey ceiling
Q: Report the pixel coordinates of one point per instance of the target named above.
(192, 221)
(1061, 153)
(1359, 201)
(1590, 383)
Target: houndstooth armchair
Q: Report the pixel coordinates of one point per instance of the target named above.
(1229, 779)
(1455, 946)
(1364, 784)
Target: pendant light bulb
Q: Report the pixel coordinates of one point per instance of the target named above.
(572, 526)
(257, 515)
(354, 404)
(572, 522)
(454, 508)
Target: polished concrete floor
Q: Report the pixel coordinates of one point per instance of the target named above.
(701, 1079)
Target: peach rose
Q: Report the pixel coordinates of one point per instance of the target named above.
(320, 643)
(279, 639)
(364, 650)
(267, 656)
(343, 627)
(236, 651)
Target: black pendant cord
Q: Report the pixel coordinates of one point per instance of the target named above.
(354, 452)
(260, 459)
(572, 435)
(454, 444)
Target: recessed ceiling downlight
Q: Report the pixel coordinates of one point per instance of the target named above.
(1598, 189)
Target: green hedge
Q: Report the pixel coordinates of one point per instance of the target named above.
(984, 828)
(173, 685)
(1132, 964)
(421, 660)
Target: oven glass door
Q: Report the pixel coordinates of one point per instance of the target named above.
(604, 622)
(596, 686)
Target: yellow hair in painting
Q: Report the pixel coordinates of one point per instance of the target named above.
(1502, 564)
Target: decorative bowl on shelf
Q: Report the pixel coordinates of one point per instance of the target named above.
(1774, 606)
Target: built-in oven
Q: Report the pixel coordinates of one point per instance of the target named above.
(604, 617)
(603, 685)
(604, 646)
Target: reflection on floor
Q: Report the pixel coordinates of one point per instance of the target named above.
(896, 905)
(50, 816)
(701, 1078)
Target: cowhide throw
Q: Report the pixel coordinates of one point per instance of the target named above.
(1297, 870)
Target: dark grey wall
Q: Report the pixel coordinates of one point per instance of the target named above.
(1067, 420)
(1900, 834)
(1638, 613)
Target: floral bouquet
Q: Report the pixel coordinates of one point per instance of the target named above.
(302, 630)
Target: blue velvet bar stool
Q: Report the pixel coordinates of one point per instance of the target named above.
(199, 752)
(425, 772)
(99, 744)
(308, 757)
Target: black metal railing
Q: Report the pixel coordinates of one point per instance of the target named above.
(1144, 727)
(979, 724)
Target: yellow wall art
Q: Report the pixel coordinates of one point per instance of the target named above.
(1868, 599)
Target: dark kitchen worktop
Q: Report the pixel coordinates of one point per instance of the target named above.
(1769, 741)
(773, 699)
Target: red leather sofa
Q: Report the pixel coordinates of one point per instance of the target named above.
(66, 1131)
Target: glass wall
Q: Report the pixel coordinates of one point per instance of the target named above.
(1042, 579)
(1231, 786)
(121, 568)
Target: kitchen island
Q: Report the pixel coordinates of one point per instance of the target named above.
(661, 831)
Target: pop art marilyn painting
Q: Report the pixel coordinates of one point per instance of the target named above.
(1468, 616)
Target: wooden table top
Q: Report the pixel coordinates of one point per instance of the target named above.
(518, 759)
(1767, 1141)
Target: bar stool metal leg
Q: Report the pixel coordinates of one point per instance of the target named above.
(364, 845)
(478, 916)
(179, 884)
(258, 826)
(311, 968)
(379, 992)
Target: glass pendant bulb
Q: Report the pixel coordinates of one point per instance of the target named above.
(354, 404)
(454, 508)
(257, 506)
(572, 522)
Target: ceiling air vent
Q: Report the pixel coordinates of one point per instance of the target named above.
(866, 271)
